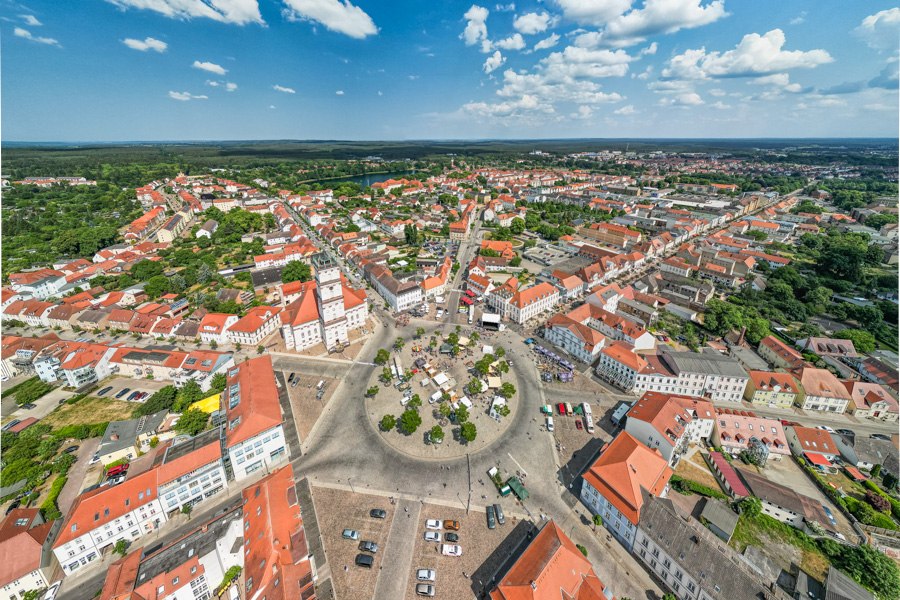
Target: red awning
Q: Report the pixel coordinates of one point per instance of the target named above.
(855, 473)
(817, 459)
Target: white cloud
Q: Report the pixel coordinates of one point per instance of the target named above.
(552, 87)
(513, 42)
(592, 12)
(584, 112)
(148, 43)
(31, 20)
(185, 96)
(209, 66)
(720, 105)
(476, 26)
(24, 33)
(547, 42)
(526, 104)
(779, 80)
(493, 62)
(685, 99)
(532, 23)
(649, 50)
(799, 19)
(665, 16)
(505, 7)
(230, 87)
(717, 93)
(237, 12)
(380, 93)
(645, 74)
(271, 106)
(212, 83)
(286, 90)
(582, 62)
(754, 55)
(339, 93)
(881, 30)
(337, 15)
(625, 110)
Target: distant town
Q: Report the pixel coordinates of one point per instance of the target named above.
(595, 374)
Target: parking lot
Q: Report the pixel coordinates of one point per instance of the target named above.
(456, 575)
(306, 402)
(135, 385)
(338, 510)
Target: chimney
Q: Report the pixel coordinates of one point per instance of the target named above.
(114, 436)
(533, 584)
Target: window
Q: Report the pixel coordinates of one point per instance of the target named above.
(160, 589)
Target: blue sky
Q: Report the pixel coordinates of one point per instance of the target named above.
(114, 70)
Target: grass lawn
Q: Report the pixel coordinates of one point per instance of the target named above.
(765, 532)
(694, 469)
(842, 482)
(89, 410)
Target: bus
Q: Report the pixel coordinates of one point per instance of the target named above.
(588, 417)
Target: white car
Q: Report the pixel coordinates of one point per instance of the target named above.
(451, 550)
(51, 592)
(825, 428)
(425, 575)
(432, 524)
(432, 536)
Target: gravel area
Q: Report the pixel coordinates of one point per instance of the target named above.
(338, 510)
(454, 574)
(306, 407)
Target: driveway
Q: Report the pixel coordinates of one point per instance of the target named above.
(44, 405)
(77, 472)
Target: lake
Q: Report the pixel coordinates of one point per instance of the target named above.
(368, 180)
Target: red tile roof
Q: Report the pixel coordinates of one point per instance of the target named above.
(258, 408)
(20, 544)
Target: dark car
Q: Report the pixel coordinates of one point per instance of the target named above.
(491, 518)
(29, 405)
(845, 432)
(451, 537)
(499, 511)
(133, 396)
(123, 392)
(365, 560)
(880, 436)
(13, 506)
(367, 546)
(377, 513)
(104, 391)
(71, 449)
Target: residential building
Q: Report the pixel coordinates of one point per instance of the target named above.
(207, 229)
(400, 295)
(191, 471)
(522, 305)
(775, 390)
(780, 354)
(704, 374)
(690, 559)
(255, 326)
(822, 391)
(827, 347)
(40, 283)
(254, 437)
(214, 327)
(784, 504)
(617, 485)
(735, 429)
(815, 445)
(121, 438)
(619, 365)
(551, 568)
(871, 401)
(25, 553)
(579, 340)
(277, 564)
(670, 423)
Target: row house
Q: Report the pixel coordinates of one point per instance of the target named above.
(399, 295)
(214, 327)
(710, 375)
(436, 285)
(254, 437)
(822, 391)
(173, 227)
(40, 283)
(735, 429)
(576, 338)
(779, 354)
(25, 550)
(618, 484)
(670, 423)
(815, 445)
(871, 401)
(17, 354)
(191, 471)
(520, 306)
(141, 227)
(620, 365)
(619, 328)
(255, 326)
(775, 390)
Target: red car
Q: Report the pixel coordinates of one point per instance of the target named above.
(578, 424)
(117, 470)
(561, 407)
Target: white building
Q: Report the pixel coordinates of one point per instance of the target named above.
(254, 438)
(577, 339)
(670, 423)
(214, 327)
(520, 306)
(41, 284)
(702, 374)
(191, 471)
(255, 326)
(619, 365)
(823, 391)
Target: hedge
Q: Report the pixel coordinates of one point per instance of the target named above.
(895, 504)
(686, 486)
(81, 432)
(49, 508)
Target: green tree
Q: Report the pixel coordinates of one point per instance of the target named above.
(517, 226)
(415, 402)
(260, 349)
(462, 414)
(507, 390)
(121, 547)
(399, 343)
(388, 422)
(436, 435)
(410, 421)
(598, 521)
(444, 409)
(420, 331)
(187, 509)
(163, 399)
(154, 442)
(411, 234)
(218, 383)
(145, 269)
(187, 394)
(192, 421)
(296, 271)
(382, 356)
(156, 286)
(863, 341)
(468, 432)
(751, 506)
(386, 375)
(867, 566)
(372, 391)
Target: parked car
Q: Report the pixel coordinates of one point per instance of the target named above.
(880, 436)
(13, 506)
(451, 525)
(451, 537)
(825, 428)
(132, 396)
(829, 514)
(377, 513)
(51, 592)
(117, 469)
(550, 424)
(432, 524)
(451, 550)
(350, 534)
(846, 432)
(425, 575)
(578, 424)
(71, 449)
(425, 589)
(104, 391)
(432, 536)
(116, 480)
(94, 459)
(368, 547)
(122, 392)
(500, 518)
(491, 517)
(365, 560)
(29, 405)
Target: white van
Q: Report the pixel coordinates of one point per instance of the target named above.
(549, 423)
(320, 384)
